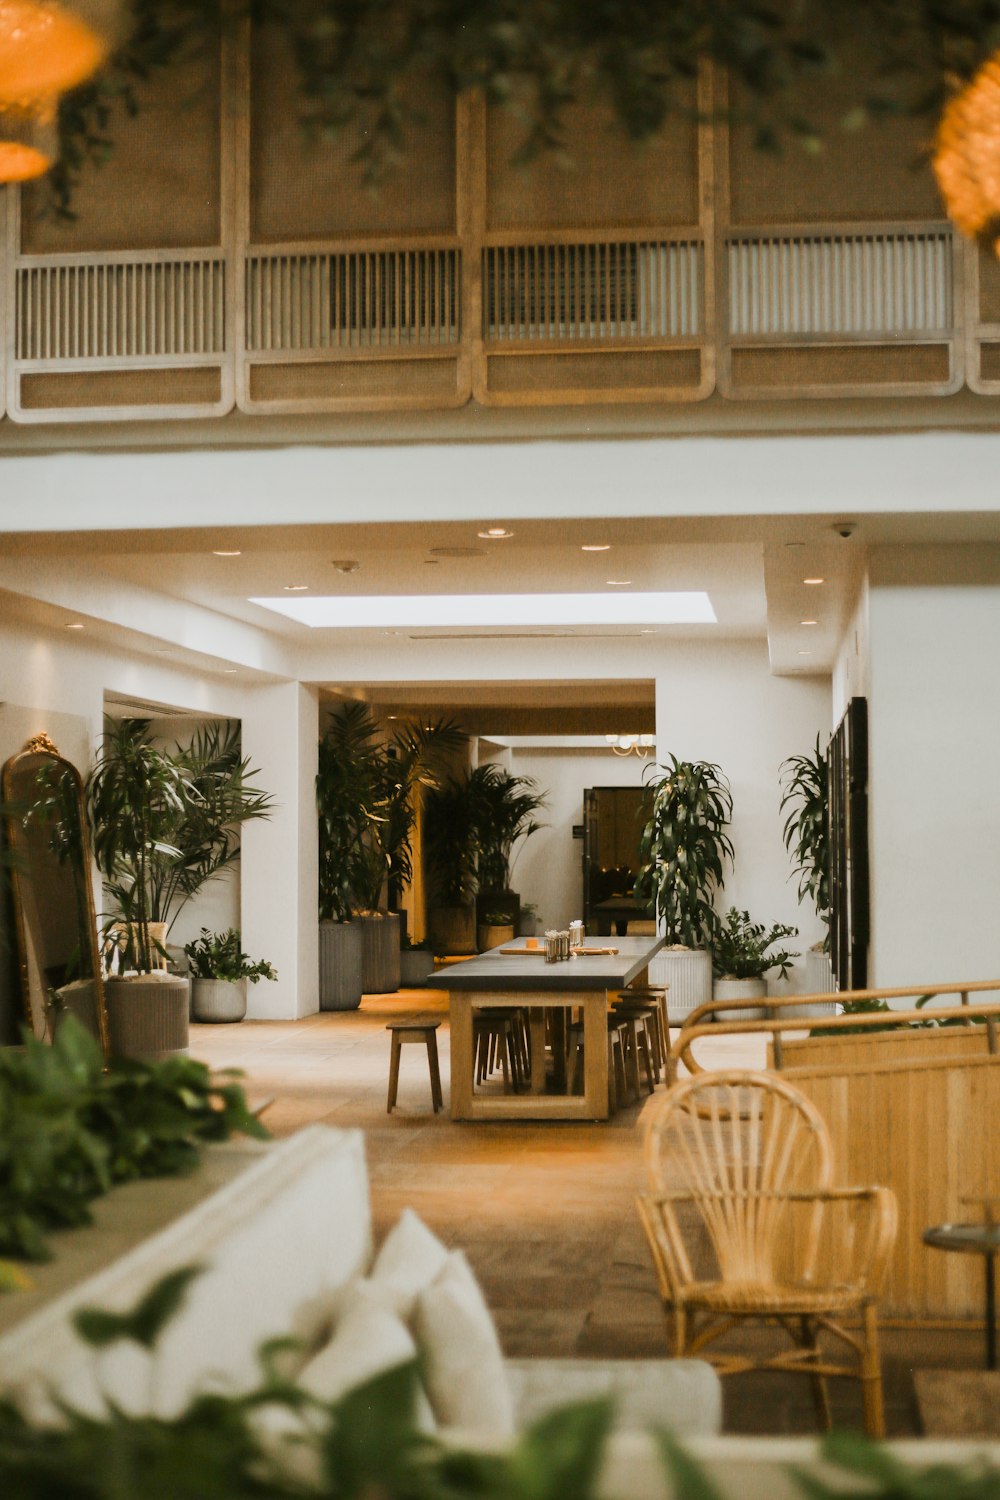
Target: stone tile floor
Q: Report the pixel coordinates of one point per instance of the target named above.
(544, 1211)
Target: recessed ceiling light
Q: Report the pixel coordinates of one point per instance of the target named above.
(445, 611)
(74, 625)
(647, 630)
(392, 716)
(218, 552)
(229, 671)
(295, 588)
(808, 622)
(619, 583)
(814, 580)
(805, 653)
(596, 547)
(495, 534)
(346, 564)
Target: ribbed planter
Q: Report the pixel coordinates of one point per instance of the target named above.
(452, 929)
(416, 966)
(687, 973)
(340, 945)
(740, 989)
(218, 1000)
(148, 1018)
(494, 936)
(379, 953)
(819, 981)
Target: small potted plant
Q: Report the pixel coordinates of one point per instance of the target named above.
(219, 974)
(416, 962)
(741, 958)
(495, 929)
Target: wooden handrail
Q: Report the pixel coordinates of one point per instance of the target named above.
(695, 1027)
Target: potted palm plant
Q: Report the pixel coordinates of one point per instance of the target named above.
(503, 814)
(163, 824)
(682, 852)
(806, 793)
(135, 795)
(220, 972)
(367, 794)
(450, 847)
(742, 957)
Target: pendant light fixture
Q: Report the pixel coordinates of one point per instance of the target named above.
(49, 46)
(28, 142)
(967, 156)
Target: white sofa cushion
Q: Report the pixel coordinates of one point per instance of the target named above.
(367, 1341)
(683, 1395)
(463, 1363)
(410, 1258)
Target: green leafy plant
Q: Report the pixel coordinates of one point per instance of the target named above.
(806, 783)
(69, 1130)
(451, 841)
(366, 1444)
(219, 955)
(503, 814)
(356, 65)
(683, 848)
(163, 824)
(366, 797)
(741, 948)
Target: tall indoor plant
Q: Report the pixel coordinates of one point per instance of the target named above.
(805, 783)
(451, 846)
(683, 852)
(367, 789)
(503, 813)
(162, 823)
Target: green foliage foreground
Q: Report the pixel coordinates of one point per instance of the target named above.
(365, 1446)
(69, 1130)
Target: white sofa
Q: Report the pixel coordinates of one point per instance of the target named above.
(278, 1242)
(290, 1227)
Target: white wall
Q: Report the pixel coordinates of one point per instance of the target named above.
(721, 704)
(934, 723)
(548, 868)
(852, 669)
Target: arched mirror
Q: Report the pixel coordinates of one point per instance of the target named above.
(54, 915)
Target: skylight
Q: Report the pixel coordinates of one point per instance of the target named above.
(441, 611)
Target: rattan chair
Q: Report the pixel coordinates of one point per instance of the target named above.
(755, 1230)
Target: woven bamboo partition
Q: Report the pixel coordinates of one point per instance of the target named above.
(910, 1109)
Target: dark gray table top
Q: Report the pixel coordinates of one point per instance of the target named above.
(501, 971)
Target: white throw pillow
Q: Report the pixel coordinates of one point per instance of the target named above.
(369, 1339)
(410, 1258)
(462, 1360)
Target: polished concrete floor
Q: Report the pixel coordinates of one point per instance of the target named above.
(545, 1211)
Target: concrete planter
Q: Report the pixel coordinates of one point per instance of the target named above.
(148, 1017)
(218, 1000)
(379, 953)
(416, 966)
(452, 929)
(687, 973)
(340, 945)
(741, 989)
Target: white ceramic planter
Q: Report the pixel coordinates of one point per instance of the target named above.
(687, 974)
(218, 1000)
(740, 989)
(819, 981)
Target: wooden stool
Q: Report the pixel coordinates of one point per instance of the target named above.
(656, 995)
(498, 1038)
(639, 1044)
(647, 1013)
(414, 1031)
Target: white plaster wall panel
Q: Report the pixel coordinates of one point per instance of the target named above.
(934, 729)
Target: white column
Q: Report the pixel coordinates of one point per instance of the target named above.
(279, 868)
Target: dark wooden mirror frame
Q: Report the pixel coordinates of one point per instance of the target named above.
(42, 751)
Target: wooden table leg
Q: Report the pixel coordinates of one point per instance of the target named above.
(460, 1007)
(595, 1054)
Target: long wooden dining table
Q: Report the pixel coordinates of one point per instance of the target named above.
(501, 978)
